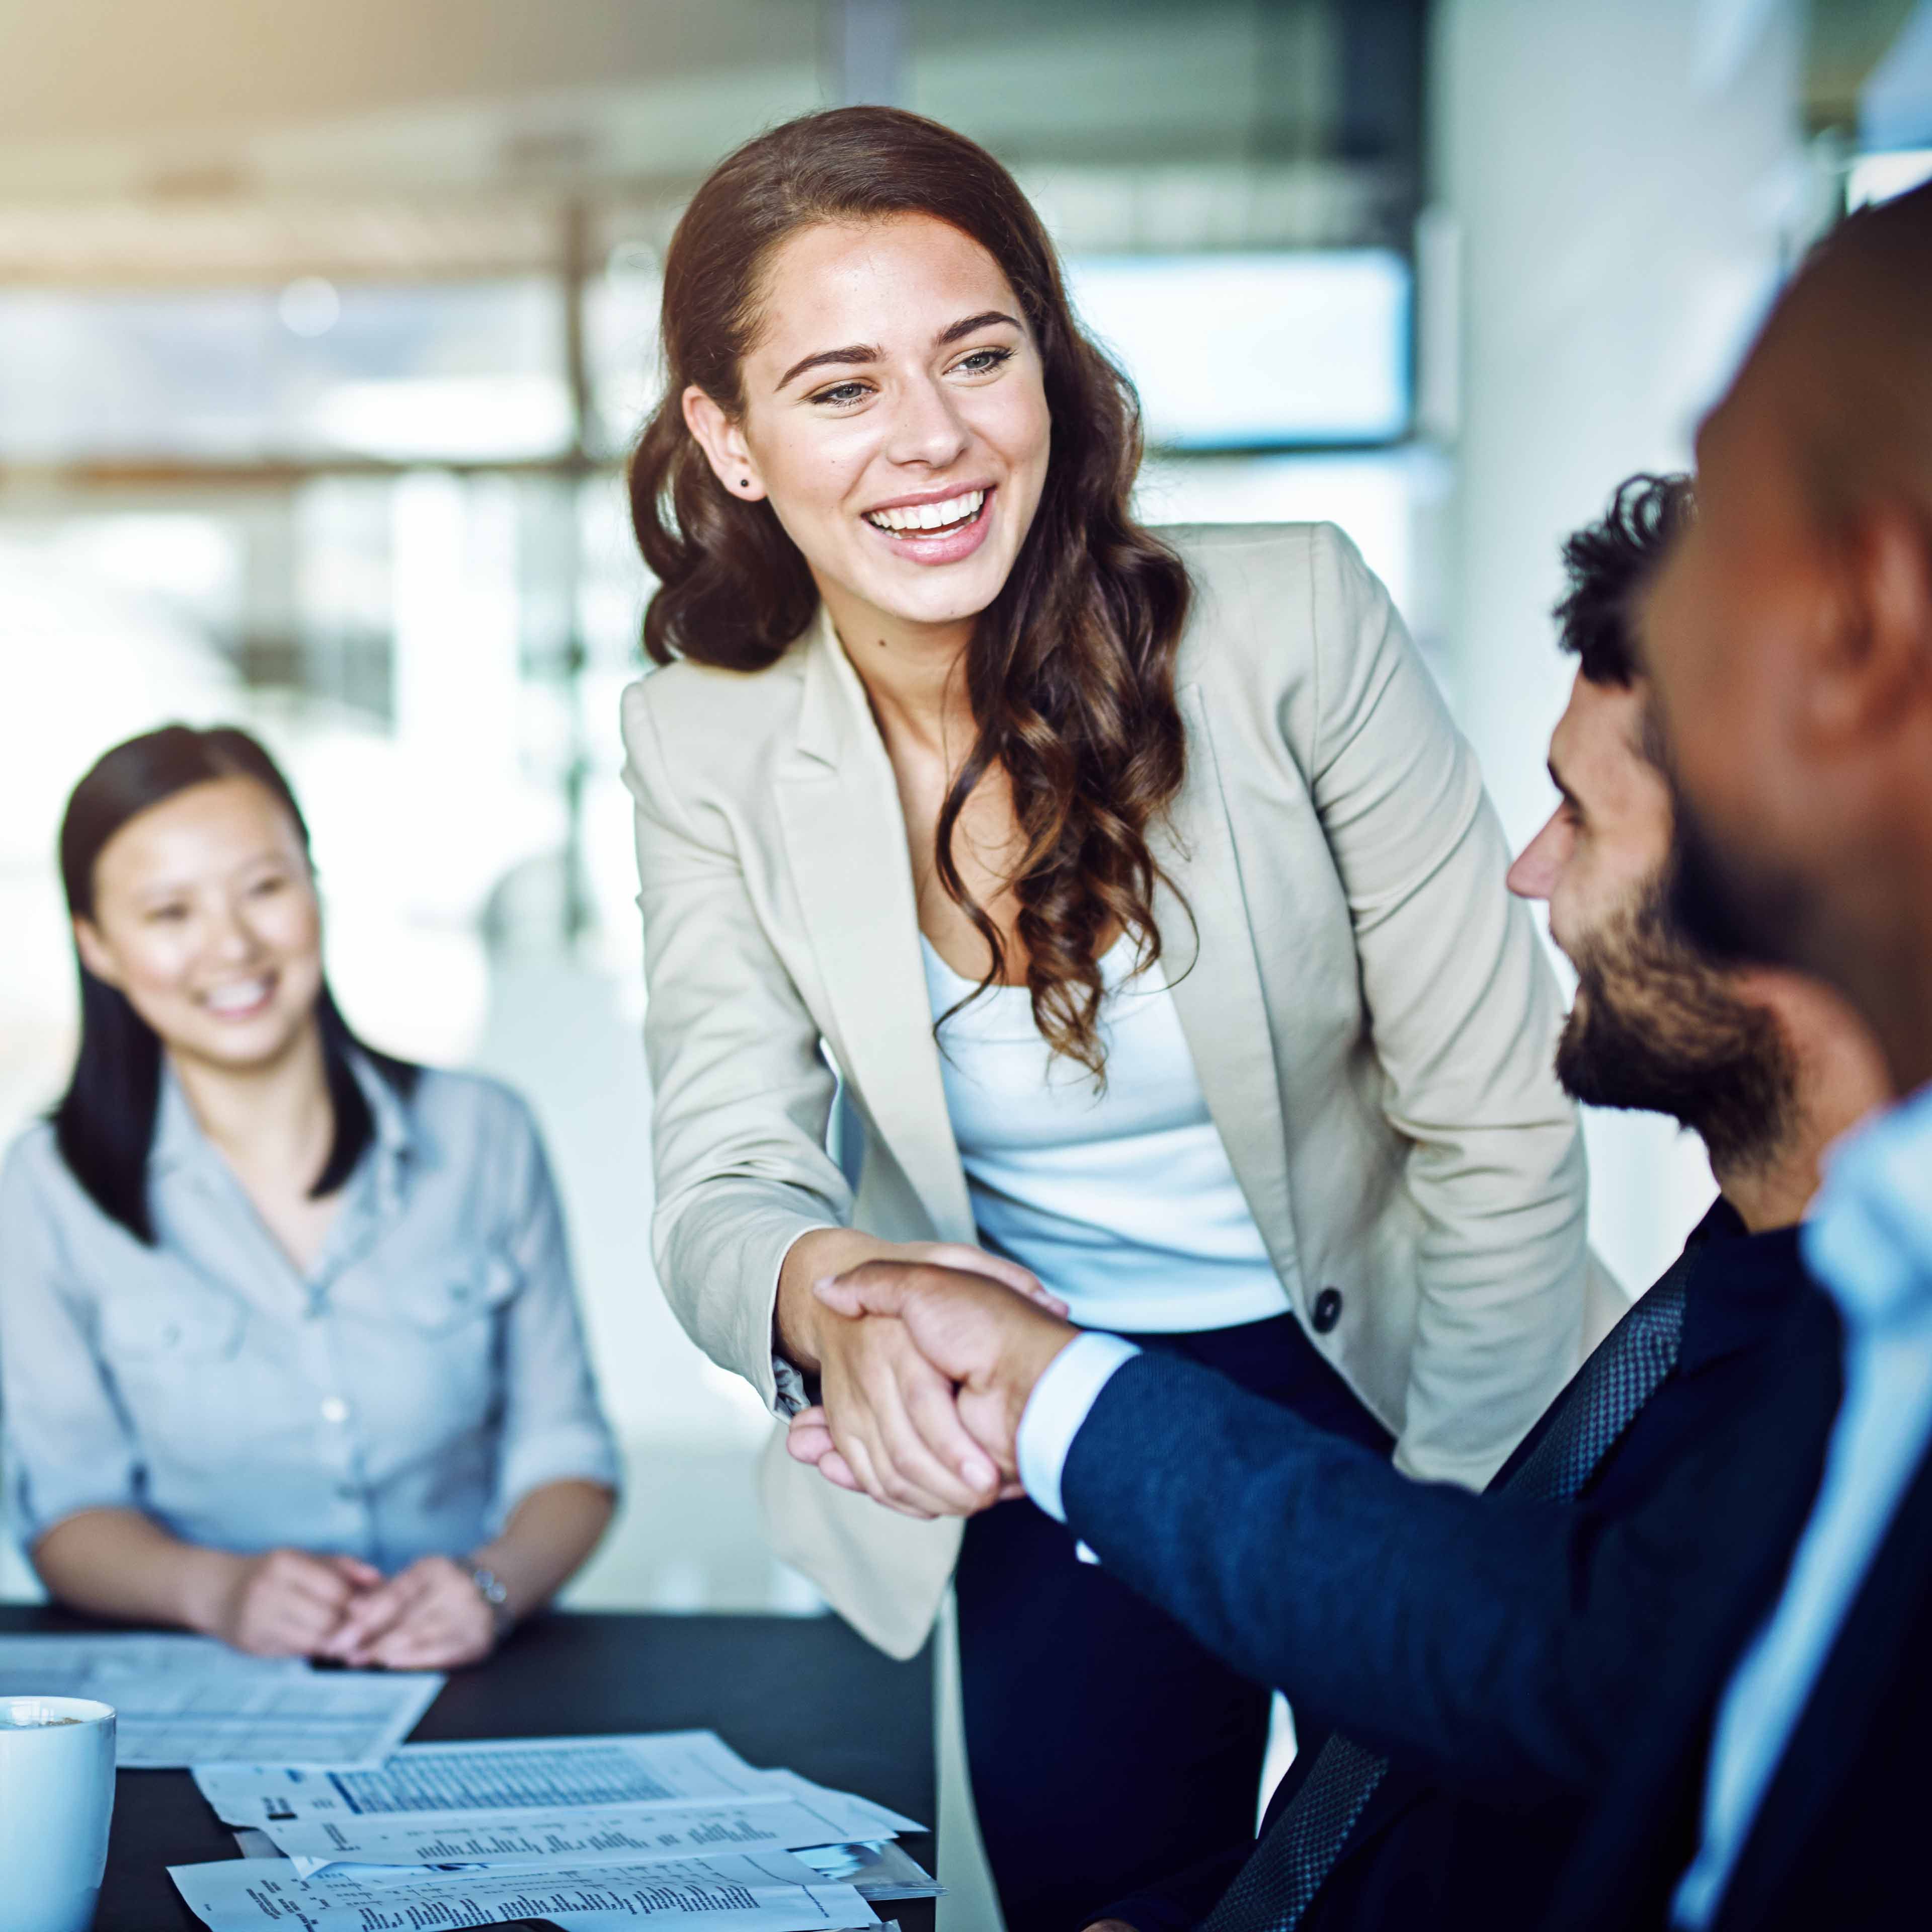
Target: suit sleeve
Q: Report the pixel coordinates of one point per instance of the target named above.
(1500, 1644)
(742, 1095)
(1464, 1015)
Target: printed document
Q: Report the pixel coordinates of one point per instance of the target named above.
(180, 1701)
(617, 1834)
(769, 1893)
(519, 1774)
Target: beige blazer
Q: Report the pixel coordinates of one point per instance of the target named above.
(1370, 1014)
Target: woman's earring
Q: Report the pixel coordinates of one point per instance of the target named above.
(744, 482)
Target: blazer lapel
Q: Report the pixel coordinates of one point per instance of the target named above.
(844, 835)
(1216, 984)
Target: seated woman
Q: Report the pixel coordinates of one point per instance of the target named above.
(288, 1349)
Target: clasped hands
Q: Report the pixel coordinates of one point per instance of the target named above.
(924, 1376)
(289, 1602)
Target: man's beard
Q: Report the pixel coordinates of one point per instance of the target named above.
(1654, 1027)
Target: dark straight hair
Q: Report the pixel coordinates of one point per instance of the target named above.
(104, 1124)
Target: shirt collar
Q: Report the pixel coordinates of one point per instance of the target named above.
(180, 1145)
(179, 1142)
(1870, 1241)
(395, 1137)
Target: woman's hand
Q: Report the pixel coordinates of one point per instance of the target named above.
(885, 1414)
(286, 1603)
(430, 1616)
(808, 1439)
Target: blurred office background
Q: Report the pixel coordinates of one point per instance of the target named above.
(322, 331)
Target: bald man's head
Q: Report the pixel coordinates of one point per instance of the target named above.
(1846, 358)
(1789, 637)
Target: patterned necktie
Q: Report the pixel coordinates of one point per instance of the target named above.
(1276, 1887)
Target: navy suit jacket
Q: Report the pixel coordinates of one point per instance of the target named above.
(1498, 1649)
(1839, 1840)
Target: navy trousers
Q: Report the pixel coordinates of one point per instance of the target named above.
(1108, 1749)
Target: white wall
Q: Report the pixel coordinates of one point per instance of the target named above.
(1616, 185)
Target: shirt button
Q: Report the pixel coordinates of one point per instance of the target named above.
(335, 1410)
(1327, 1310)
(349, 1492)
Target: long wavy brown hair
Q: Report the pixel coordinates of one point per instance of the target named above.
(1070, 671)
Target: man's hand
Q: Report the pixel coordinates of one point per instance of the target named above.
(993, 1344)
(886, 1423)
(286, 1603)
(430, 1616)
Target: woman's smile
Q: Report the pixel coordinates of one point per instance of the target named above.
(241, 999)
(933, 528)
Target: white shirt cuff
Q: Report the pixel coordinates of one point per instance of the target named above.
(1060, 1403)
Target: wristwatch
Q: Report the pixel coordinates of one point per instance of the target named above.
(491, 1588)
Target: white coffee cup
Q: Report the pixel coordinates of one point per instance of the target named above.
(56, 1797)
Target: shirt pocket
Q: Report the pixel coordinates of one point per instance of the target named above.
(155, 1331)
(444, 1303)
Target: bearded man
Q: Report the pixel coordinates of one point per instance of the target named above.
(1482, 1657)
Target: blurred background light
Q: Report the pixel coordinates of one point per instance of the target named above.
(1878, 177)
(1309, 346)
(444, 418)
(309, 306)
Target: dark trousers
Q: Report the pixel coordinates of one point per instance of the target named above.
(1108, 1749)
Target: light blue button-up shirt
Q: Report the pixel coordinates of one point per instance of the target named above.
(1870, 1242)
(396, 1400)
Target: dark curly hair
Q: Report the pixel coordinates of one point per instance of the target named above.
(1608, 564)
(1071, 668)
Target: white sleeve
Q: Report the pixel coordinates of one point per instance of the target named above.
(1060, 1403)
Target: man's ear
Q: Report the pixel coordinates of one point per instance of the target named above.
(93, 952)
(1874, 670)
(722, 439)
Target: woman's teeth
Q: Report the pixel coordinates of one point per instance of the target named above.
(237, 999)
(921, 517)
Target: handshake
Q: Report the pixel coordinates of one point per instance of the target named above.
(926, 1360)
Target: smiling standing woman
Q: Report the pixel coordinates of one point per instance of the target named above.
(1146, 900)
(289, 1349)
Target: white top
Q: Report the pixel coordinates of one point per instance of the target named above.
(1122, 1200)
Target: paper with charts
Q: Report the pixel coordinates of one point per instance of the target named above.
(516, 1774)
(180, 1701)
(674, 1826)
(622, 1834)
(769, 1893)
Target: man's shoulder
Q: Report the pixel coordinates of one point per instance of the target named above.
(1758, 1353)
(1741, 1291)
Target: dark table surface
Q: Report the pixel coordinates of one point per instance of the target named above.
(800, 1692)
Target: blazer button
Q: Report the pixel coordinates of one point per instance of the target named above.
(1327, 1310)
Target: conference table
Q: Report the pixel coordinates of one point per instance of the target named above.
(801, 1692)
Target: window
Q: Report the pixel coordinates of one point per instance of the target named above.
(1245, 351)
